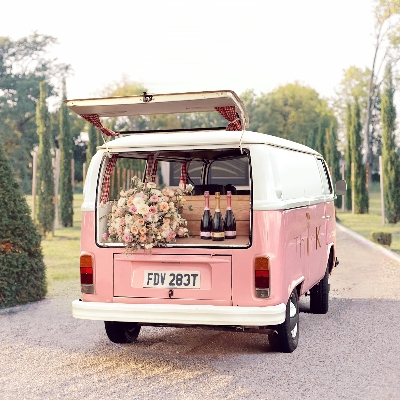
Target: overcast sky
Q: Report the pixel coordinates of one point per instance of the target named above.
(179, 46)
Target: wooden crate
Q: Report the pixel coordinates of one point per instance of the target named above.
(194, 207)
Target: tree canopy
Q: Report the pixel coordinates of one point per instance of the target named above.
(24, 63)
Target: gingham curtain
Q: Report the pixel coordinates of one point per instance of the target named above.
(105, 191)
(151, 169)
(229, 113)
(95, 120)
(184, 175)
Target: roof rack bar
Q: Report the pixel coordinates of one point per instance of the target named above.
(173, 130)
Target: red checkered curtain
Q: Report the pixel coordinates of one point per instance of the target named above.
(151, 169)
(95, 120)
(184, 175)
(105, 191)
(229, 113)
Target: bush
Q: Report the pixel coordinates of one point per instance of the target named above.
(383, 238)
(22, 271)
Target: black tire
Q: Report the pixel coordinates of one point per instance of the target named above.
(286, 337)
(319, 295)
(122, 332)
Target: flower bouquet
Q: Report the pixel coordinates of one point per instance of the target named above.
(145, 217)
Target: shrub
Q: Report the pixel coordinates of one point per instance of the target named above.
(383, 238)
(22, 271)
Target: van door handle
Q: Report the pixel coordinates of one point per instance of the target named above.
(327, 217)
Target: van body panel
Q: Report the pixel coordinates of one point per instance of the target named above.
(172, 103)
(211, 272)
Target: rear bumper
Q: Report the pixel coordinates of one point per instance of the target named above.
(180, 314)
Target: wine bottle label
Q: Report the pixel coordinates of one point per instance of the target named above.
(230, 233)
(218, 234)
(205, 234)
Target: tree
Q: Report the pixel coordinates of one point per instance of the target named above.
(23, 64)
(92, 143)
(332, 156)
(390, 158)
(348, 157)
(66, 155)
(22, 271)
(293, 112)
(359, 179)
(387, 48)
(45, 170)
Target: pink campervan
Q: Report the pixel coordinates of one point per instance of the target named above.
(282, 199)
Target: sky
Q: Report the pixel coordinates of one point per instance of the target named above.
(180, 46)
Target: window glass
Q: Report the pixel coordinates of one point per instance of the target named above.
(230, 172)
(326, 182)
(298, 174)
(194, 172)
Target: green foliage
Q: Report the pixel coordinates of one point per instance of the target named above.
(66, 155)
(92, 144)
(332, 156)
(292, 112)
(359, 179)
(384, 238)
(22, 271)
(390, 158)
(45, 170)
(23, 64)
(347, 155)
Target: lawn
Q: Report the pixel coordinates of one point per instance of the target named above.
(61, 251)
(365, 224)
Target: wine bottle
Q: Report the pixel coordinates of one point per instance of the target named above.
(217, 229)
(230, 222)
(206, 220)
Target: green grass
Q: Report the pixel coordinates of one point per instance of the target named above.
(365, 224)
(61, 251)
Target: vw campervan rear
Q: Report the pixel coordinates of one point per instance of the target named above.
(282, 199)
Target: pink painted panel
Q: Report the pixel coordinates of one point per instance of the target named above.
(214, 271)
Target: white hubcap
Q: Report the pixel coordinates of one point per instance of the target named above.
(293, 313)
(294, 331)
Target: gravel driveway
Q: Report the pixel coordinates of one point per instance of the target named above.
(353, 352)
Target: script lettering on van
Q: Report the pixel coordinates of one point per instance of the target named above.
(304, 244)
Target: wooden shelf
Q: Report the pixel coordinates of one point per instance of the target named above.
(196, 241)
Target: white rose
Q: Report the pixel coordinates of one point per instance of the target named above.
(143, 209)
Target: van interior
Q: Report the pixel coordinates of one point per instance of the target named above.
(213, 170)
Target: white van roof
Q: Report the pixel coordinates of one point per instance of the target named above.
(198, 139)
(172, 103)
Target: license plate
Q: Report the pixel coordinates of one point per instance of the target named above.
(172, 279)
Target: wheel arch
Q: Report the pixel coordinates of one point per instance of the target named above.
(331, 257)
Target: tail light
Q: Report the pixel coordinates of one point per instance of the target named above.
(261, 276)
(86, 270)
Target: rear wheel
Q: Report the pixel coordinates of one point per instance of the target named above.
(319, 295)
(122, 332)
(286, 337)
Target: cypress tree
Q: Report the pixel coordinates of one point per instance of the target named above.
(333, 156)
(390, 158)
(92, 144)
(66, 155)
(45, 170)
(22, 271)
(359, 183)
(347, 156)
